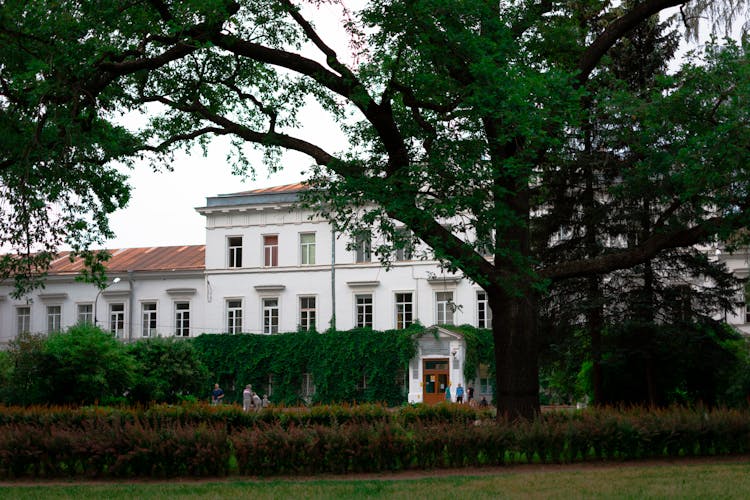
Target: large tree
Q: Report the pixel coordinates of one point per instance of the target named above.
(456, 116)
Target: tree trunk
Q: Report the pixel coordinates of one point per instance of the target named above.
(595, 321)
(516, 350)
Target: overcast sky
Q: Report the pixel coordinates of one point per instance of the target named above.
(162, 212)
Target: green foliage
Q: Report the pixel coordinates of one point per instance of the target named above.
(85, 365)
(27, 384)
(206, 441)
(166, 370)
(358, 365)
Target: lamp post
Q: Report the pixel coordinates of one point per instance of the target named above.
(96, 300)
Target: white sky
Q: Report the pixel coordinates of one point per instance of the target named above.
(161, 210)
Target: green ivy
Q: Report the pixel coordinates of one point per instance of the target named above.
(480, 349)
(350, 366)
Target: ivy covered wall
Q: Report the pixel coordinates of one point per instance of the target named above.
(354, 365)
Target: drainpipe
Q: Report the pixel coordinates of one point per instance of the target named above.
(130, 306)
(333, 280)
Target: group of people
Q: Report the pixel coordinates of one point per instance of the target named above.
(250, 399)
(460, 395)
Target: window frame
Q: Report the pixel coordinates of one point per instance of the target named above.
(81, 316)
(403, 323)
(149, 318)
(270, 320)
(182, 318)
(361, 310)
(270, 251)
(484, 314)
(234, 315)
(307, 249)
(116, 318)
(23, 318)
(308, 315)
(54, 319)
(444, 314)
(234, 251)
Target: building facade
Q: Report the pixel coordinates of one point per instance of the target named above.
(267, 267)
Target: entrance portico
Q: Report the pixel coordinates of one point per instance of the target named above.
(437, 365)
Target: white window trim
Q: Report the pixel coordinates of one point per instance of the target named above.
(314, 249)
(189, 319)
(18, 317)
(263, 249)
(413, 307)
(59, 320)
(263, 314)
(372, 307)
(447, 304)
(241, 308)
(78, 312)
(314, 310)
(228, 254)
(144, 328)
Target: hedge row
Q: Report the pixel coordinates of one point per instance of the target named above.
(232, 416)
(107, 445)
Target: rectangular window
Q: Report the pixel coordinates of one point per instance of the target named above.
(307, 249)
(182, 319)
(148, 316)
(445, 307)
(85, 314)
(484, 315)
(363, 311)
(404, 242)
(363, 248)
(117, 319)
(271, 315)
(23, 320)
(404, 310)
(54, 318)
(307, 313)
(270, 250)
(308, 387)
(234, 316)
(234, 245)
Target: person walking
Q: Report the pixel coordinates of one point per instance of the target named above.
(459, 394)
(448, 393)
(470, 395)
(217, 395)
(247, 397)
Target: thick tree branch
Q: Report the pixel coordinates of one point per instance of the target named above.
(615, 30)
(628, 258)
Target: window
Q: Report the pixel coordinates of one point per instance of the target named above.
(484, 315)
(117, 319)
(404, 310)
(234, 316)
(363, 248)
(363, 311)
(270, 250)
(54, 318)
(182, 319)
(445, 307)
(404, 252)
(485, 383)
(85, 314)
(148, 315)
(307, 313)
(234, 244)
(308, 387)
(307, 248)
(23, 320)
(271, 315)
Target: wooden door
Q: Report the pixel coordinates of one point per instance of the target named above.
(434, 380)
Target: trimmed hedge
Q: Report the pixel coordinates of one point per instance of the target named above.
(197, 440)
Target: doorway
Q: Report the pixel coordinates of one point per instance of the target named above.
(434, 380)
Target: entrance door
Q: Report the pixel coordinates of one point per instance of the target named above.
(434, 380)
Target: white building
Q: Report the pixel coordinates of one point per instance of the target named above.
(267, 267)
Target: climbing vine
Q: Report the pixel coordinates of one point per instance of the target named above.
(480, 349)
(348, 366)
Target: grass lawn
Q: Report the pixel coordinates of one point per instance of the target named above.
(722, 479)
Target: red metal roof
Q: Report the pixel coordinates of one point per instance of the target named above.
(286, 188)
(174, 258)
